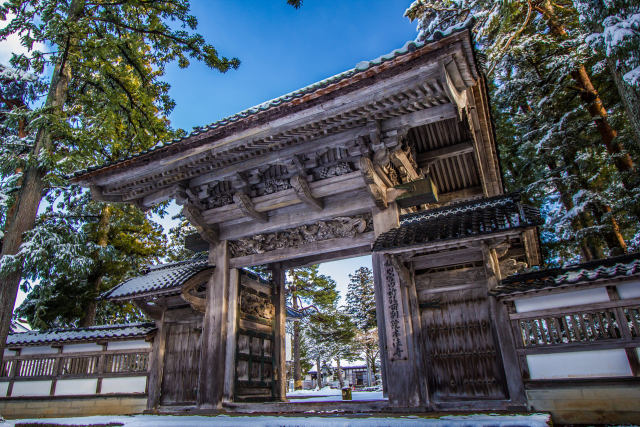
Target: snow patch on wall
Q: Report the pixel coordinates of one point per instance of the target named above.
(566, 299)
(579, 364)
(124, 385)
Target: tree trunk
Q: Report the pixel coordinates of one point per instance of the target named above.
(630, 97)
(591, 98)
(89, 317)
(319, 374)
(613, 238)
(30, 194)
(588, 248)
(340, 379)
(297, 366)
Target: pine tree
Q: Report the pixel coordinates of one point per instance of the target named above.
(615, 34)
(557, 141)
(308, 288)
(361, 305)
(107, 59)
(96, 247)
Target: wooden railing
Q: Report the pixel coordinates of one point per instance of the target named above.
(62, 366)
(598, 326)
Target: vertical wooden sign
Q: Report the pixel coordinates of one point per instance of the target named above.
(393, 312)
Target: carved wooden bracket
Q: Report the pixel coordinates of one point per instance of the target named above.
(457, 97)
(400, 159)
(151, 310)
(301, 187)
(376, 186)
(245, 204)
(192, 213)
(197, 303)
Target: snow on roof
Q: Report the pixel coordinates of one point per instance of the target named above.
(129, 330)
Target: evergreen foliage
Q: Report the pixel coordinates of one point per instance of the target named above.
(93, 253)
(98, 69)
(563, 134)
(361, 303)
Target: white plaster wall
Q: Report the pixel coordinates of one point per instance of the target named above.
(287, 347)
(42, 349)
(31, 388)
(4, 386)
(79, 348)
(76, 387)
(8, 352)
(579, 364)
(128, 345)
(565, 299)
(629, 290)
(124, 385)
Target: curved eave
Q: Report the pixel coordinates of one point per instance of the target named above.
(205, 138)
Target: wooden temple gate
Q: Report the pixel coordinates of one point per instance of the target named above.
(394, 158)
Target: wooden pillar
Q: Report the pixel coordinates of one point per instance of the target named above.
(513, 373)
(214, 328)
(393, 311)
(230, 358)
(279, 360)
(156, 365)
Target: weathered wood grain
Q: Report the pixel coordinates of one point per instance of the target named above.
(211, 379)
(279, 357)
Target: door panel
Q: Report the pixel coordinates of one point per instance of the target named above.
(181, 364)
(462, 353)
(254, 343)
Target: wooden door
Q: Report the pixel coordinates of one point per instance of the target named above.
(181, 364)
(254, 379)
(462, 353)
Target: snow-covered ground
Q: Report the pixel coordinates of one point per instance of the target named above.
(533, 420)
(327, 394)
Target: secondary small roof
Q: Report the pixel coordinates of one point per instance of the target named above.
(69, 335)
(620, 267)
(467, 219)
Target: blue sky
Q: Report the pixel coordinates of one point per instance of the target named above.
(282, 49)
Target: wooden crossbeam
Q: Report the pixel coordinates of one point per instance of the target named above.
(445, 152)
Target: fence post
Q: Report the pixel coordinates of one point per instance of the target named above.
(15, 368)
(623, 325)
(57, 368)
(101, 367)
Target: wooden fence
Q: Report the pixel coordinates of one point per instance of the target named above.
(65, 366)
(606, 325)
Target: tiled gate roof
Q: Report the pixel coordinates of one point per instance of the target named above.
(467, 219)
(164, 277)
